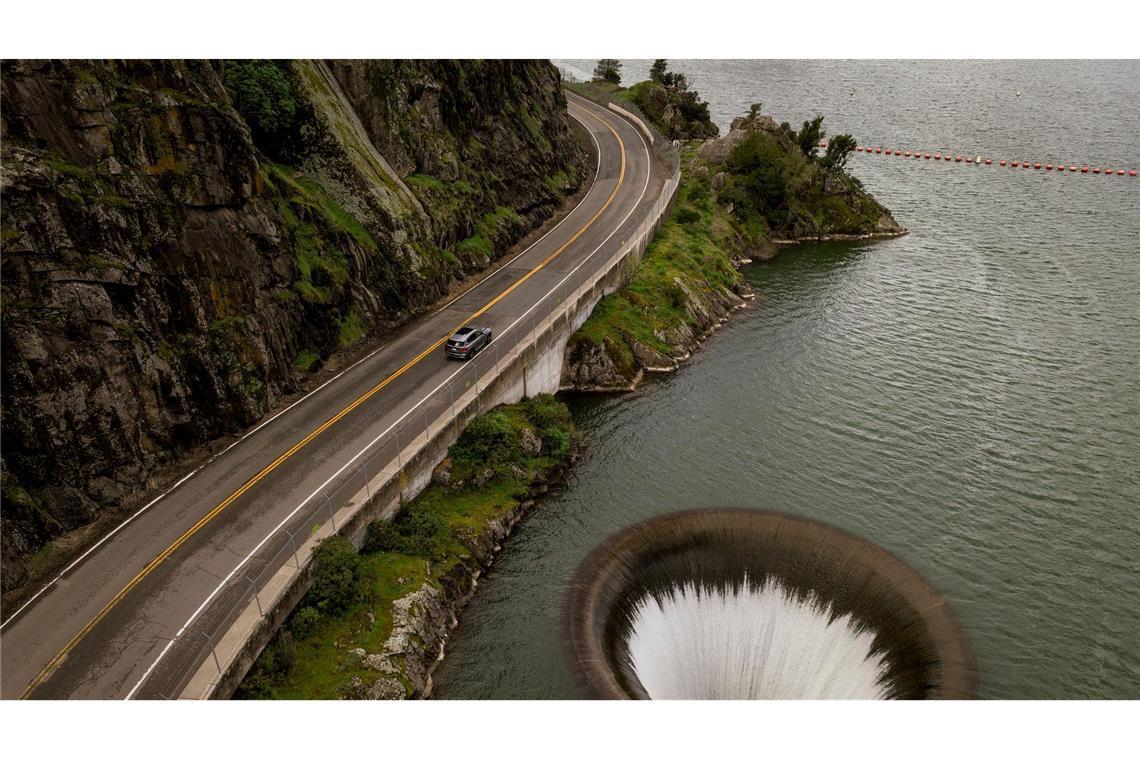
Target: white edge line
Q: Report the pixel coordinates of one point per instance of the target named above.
(350, 462)
(307, 396)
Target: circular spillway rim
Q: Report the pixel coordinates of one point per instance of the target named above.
(606, 565)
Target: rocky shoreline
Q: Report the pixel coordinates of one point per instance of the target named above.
(590, 368)
(423, 620)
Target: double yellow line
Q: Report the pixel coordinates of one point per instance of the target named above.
(165, 553)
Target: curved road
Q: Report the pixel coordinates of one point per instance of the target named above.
(128, 620)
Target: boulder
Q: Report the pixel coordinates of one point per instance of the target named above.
(531, 443)
(651, 359)
(484, 477)
(380, 663)
(387, 688)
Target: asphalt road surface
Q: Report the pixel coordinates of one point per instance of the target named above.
(129, 620)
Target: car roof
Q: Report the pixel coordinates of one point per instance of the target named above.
(464, 330)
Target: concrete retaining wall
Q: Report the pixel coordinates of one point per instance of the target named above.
(634, 118)
(532, 366)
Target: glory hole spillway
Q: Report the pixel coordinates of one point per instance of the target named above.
(751, 604)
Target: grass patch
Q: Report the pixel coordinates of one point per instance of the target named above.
(304, 193)
(425, 182)
(306, 360)
(351, 329)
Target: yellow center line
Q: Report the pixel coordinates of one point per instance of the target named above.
(161, 557)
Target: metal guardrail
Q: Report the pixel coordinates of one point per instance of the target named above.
(289, 547)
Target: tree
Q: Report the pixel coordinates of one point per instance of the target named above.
(608, 70)
(757, 176)
(838, 149)
(754, 110)
(657, 70)
(810, 135)
(264, 96)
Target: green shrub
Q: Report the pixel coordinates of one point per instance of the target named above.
(335, 563)
(264, 96)
(687, 215)
(487, 439)
(545, 411)
(415, 531)
(273, 665)
(382, 536)
(305, 622)
(305, 360)
(555, 442)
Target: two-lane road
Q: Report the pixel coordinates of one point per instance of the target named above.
(127, 620)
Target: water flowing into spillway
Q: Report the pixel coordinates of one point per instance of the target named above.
(750, 604)
(752, 642)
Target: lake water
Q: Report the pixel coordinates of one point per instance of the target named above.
(967, 396)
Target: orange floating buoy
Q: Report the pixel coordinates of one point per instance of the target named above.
(958, 159)
(1096, 170)
(1084, 170)
(1002, 162)
(1121, 172)
(878, 150)
(1131, 172)
(1049, 167)
(823, 145)
(1037, 166)
(926, 155)
(946, 157)
(1072, 168)
(989, 161)
(907, 154)
(937, 156)
(898, 152)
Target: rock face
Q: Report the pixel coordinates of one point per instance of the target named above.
(168, 278)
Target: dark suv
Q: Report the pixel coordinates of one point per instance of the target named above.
(467, 342)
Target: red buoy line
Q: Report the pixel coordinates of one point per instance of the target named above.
(978, 161)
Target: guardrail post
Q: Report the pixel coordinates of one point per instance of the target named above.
(256, 596)
(213, 651)
(454, 414)
(293, 543)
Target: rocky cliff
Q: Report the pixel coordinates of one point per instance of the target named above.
(184, 242)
